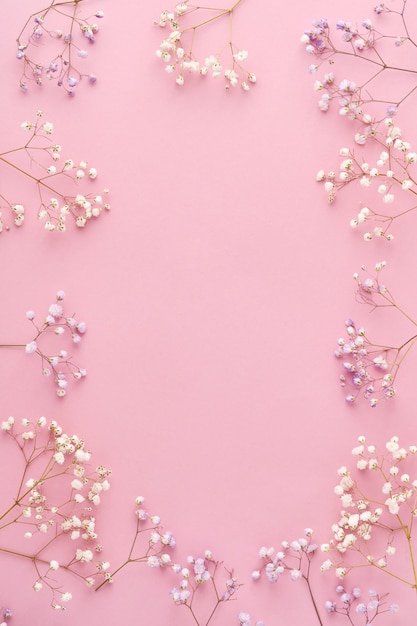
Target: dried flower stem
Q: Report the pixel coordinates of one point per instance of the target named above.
(52, 457)
(60, 364)
(179, 57)
(55, 203)
(157, 543)
(362, 45)
(61, 67)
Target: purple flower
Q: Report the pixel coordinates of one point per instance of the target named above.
(342, 25)
(330, 606)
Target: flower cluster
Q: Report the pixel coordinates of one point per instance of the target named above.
(378, 504)
(245, 619)
(371, 368)
(353, 602)
(362, 43)
(54, 501)
(366, 366)
(6, 614)
(295, 557)
(177, 50)
(68, 37)
(158, 542)
(391, 175)
(40, 161)
(58, 366)
(200, 572)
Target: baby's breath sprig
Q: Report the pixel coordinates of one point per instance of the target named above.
(152, 545)
(177, 49)
(158, 542)
(60, 31)
(371, 368)
(54, 501)
(358, 609)
(391, 174)
(362, 44)
(38, 161)
(202, 572)
(294, 557)
(378, 499)
(59, 365)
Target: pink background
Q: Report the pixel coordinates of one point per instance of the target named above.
(214, 291)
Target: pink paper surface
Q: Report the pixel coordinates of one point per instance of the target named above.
(214, 292)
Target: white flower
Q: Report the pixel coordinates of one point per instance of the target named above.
(59, 458)
(31, 347)
(341, 572)
(53, 565)
(295, 574)
(80, 221)
(82, 456)
(393, 506)
(241, 55)
(66, 597)
(84, 555)
(7, 424)
(232, 77)
(326, 565)
(55, 310)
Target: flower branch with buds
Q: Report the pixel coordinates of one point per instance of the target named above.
(177, 49)
(201, 572)
(362, 45)
(38, 161)
(56, 495)
(58, 366)
(371, 368)
(366, 609)
(67, 35)
(392, 175)
(157, 542)
(296, 558)
(376, 522)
